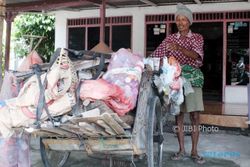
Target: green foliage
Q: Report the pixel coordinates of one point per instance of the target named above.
(37, 25)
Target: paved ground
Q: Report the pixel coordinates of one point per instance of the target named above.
(220, 149)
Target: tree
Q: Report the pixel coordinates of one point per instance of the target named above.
(38, 25)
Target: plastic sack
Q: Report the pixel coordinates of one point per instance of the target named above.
(170, 83)
(14, 151)
(125, 71)
(32, 58)
(187, 86)
(9, 86)
(125, 58)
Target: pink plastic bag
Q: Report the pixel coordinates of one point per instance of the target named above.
(32, 58)
(9, 86)
(125, 71)
(14, 151)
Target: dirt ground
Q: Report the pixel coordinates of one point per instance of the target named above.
(220, 142)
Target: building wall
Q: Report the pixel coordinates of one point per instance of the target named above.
(138, 28)
(138, 19)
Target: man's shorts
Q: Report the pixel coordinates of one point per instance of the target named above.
(193, 101)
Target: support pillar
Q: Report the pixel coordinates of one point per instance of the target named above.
(102, 17)
(9, 18)
(2, 11)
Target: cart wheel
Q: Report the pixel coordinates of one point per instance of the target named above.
(155, 133)
(53, 158)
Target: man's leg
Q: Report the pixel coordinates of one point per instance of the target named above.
(195, 121)
(180, 134)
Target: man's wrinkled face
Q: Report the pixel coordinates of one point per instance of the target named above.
(182, 23)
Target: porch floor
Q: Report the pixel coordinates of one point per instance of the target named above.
(225, 114)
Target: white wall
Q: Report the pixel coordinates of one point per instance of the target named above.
(138, 14)
(236, 94)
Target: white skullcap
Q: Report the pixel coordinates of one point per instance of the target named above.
(184, 11)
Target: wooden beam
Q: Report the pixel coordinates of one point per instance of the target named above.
(45, 5)
(197, 1)
(99, 3)
(149, 2)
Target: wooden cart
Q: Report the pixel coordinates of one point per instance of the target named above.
(145, 137)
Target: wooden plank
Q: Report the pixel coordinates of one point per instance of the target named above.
(89, 129)
(139, 129)
(100, 130)
(101, 145)
(101, 105)
(72, 128)
(58, 131)
(106, 127)
(64, 144)
(120, 121)
(76, 120)
(40, 133)
(107, 146)
(224, 120)
(113, 124)
(105, 120)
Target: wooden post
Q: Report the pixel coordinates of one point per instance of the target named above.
(9, 18)
(248, 88)
(248, 85)
(2, 11)
(102, 24)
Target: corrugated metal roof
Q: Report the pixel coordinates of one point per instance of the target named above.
(39, 5)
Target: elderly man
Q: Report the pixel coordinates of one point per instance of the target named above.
(187, 48)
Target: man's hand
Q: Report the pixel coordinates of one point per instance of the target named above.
(148, 67)
(174, 46)
(149, 71)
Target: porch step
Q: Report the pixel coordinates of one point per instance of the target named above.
(224, 120)
(219, 108)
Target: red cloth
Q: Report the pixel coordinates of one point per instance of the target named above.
(111, 94)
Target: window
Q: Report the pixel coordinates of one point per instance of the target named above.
(121, 37)
(156, 33)
(93, 37)
(76, 38)
(117, 28)
(237, 53)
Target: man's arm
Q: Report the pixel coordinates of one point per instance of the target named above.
(186, 52)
